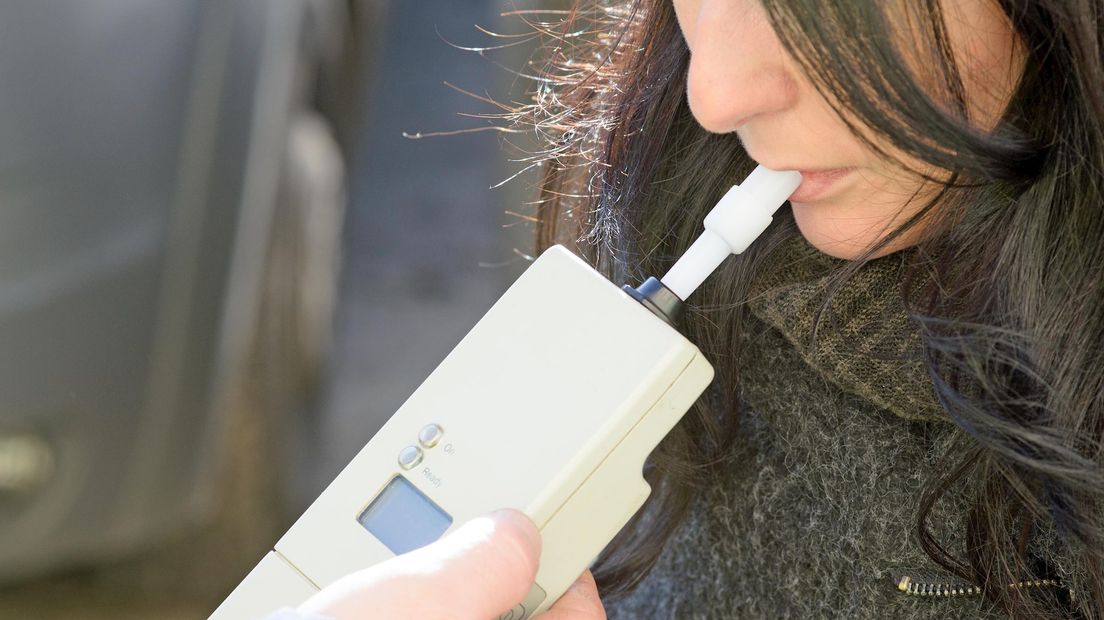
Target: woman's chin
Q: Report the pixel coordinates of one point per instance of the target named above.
(841, 233)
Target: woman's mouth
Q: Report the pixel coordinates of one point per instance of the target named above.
(816, 184)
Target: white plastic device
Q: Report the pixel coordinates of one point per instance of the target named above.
(550, 405)
(730, 227)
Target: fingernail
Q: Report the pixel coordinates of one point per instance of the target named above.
(519, 521)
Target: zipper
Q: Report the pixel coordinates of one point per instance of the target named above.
(957, 587)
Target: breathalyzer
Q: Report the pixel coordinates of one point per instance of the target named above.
(549, 405)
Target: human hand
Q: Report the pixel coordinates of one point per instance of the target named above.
(475, 573)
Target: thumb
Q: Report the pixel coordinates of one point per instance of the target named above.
(478, 571)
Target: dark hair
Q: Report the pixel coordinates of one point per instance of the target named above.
(1007, 283)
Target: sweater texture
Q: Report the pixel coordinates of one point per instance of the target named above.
(816, 516)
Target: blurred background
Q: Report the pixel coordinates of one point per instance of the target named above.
(222, 268)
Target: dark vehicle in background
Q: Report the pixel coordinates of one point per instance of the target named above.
(171, 196)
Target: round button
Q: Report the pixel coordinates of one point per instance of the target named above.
(409, 457)
(430, 435)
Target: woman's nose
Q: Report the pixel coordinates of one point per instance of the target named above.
(738, 67)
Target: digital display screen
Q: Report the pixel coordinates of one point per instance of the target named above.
(403, 518)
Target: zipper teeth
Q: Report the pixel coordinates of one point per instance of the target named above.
(960, 588)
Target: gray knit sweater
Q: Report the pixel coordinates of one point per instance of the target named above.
(818, 519)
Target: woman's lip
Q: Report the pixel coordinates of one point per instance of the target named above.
(815, 184)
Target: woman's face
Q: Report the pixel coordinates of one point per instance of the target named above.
(742, 80)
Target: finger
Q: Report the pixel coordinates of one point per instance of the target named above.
(580, 602)
(478, 571)
(490, 564)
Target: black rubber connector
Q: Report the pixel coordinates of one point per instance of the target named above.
(659, 299)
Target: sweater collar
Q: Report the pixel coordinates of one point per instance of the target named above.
(865, 344)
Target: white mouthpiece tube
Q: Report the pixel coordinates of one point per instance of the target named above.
(737, 220)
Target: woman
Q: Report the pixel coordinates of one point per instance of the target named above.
(909, 387)
(910, 364)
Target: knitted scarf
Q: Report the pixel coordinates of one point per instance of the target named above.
(865, 342)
